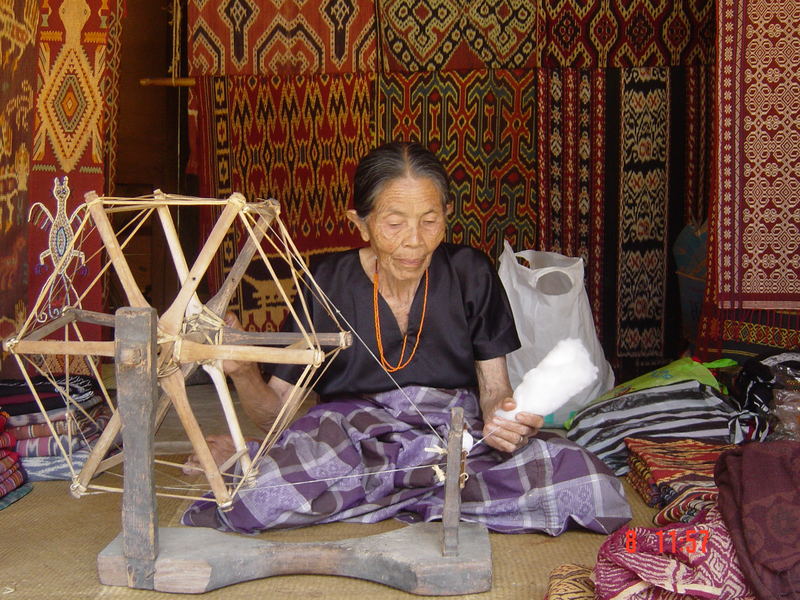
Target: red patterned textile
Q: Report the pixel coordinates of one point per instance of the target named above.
(284, 37)
(511, 34)
(633, 33)
(741, 334)
(446, 35)
(68, 149)
(600, 162)
(667, 462)
(571, 145)
(687, 561)
(295, 139)
(755, 247)
(18, 75)
(481, 125)
(675, 475)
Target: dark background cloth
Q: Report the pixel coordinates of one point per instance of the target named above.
(759, 497)
(468, 318)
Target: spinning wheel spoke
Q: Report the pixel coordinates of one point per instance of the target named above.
(171, 319)
(218, 378)
(174, 245)
(123, 270)
(173, 385)
(222, 298)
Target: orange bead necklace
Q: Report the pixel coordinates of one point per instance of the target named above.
(400, 363)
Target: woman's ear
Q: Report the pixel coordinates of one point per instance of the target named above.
(360, 223)
(448, 209)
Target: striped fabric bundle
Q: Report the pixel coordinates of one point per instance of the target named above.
(46, 468)
(15, 495)
(7, 440)
(25, 432)
(56, 414)
(11, 476)
(82, 431)
(11, 479)
(687, 409)
(7, 459)
(50, 446)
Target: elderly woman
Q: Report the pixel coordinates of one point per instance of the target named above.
(436, 327)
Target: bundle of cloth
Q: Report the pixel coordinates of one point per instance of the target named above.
(676, 476)
(687, 409)
(73, 425)
(759, 499)
(686, 561)
(12, 477)
(743, 547)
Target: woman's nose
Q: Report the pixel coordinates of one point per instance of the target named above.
(412, 236)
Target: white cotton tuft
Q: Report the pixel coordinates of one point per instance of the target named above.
(566, 370)
(467, 442)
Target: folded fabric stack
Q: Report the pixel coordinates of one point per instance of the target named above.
(12, 477)
(688, 409)
(42, 438)
(674, 475)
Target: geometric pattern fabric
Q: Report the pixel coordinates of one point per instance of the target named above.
(20, 19)
(756, 249)
(576, 127)
(68, 155)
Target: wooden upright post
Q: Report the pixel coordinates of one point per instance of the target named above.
(137, 392)
(451, 513)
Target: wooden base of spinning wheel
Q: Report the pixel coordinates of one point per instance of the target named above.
(410, 559)
(447, 558)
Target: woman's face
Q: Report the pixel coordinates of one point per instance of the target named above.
(405, 226)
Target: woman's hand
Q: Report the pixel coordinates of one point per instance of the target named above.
(495, 394)
(506, 435)
(234, 367)
(221, 447)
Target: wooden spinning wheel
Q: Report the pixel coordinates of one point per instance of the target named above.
(153, 356)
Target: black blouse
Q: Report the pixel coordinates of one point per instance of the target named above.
(468, 318)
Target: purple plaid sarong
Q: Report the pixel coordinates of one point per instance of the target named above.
(369, 458)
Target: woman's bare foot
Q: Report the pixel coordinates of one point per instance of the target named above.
(221, 447)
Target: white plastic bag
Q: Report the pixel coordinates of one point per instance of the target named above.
(549, 304)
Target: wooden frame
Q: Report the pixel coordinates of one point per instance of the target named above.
(152, 358)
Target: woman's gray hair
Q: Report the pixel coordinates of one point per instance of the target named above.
(393, 161)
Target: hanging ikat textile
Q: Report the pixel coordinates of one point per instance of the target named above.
(17, 72)
(445, 35)
(297, 140)
(481, 126)
(543, 154)
(628, 33)
(752, 303)
(571, 147)
(68, 146)
(756, 249)
(509, 34)
(281, 37)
